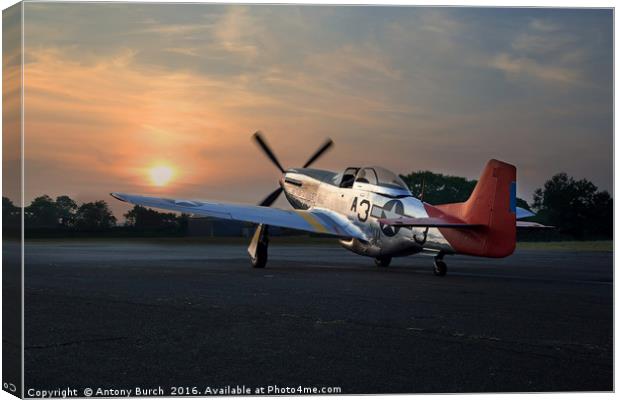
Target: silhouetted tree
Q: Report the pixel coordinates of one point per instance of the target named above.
(183, 222)
(66, 209)
(11, 217)
(441, 189)
(41, 213)
(523, 204)
(574, 206)
(8, 208)
(146, 218)
(94, 216)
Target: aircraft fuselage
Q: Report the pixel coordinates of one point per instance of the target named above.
(313, 189)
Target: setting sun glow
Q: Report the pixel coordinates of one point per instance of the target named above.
(161, 175)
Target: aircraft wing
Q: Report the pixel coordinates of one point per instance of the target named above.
(315, 220)
(523, 213)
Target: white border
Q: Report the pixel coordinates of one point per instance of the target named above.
(496, 3)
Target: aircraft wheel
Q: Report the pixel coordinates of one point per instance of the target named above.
(260, 260)
(440, 268)
(383, 262)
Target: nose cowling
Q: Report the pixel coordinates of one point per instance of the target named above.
(300, 191)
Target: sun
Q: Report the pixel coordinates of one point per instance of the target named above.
(161, 175)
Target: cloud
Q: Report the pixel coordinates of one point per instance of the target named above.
(187, 51)
(519, 67)
(408, 88)
(236, 33)
(153, 27)
(543, 25)
(363, 61)
(545, 51)
(107, 121)
(112, 119)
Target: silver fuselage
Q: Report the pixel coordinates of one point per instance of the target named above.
(363, 205)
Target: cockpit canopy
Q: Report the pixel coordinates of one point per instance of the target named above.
(376, 179)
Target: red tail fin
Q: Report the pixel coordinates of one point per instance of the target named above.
(492, 204)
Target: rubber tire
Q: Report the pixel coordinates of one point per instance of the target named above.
(440, 268)
(383, 262)
(261, 257)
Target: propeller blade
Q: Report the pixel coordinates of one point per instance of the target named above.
(319, 152)
(261, 142)
(273, 196)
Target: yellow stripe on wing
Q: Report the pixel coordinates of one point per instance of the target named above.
(313, 221)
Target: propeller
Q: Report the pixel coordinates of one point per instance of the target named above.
(329, 143)
(258, 136)
(273, 196)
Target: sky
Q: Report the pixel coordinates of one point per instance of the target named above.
(114, 90)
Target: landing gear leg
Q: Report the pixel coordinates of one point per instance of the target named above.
(258, 247)
(383, 262)
(440, 268)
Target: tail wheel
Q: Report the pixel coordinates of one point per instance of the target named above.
(383, 262)
(440, 268)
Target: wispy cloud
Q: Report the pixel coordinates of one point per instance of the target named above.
(112, 90)
(546, 51)
(520, 67)
(237, 32)
(187, 51)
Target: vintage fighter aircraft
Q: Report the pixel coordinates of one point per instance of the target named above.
(373, 213)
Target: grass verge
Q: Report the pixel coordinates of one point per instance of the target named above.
(593, 245)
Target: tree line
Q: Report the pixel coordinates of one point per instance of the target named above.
(436, 188)
(575, 207)
(64, 215)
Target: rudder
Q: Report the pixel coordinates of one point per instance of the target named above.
(491, 204)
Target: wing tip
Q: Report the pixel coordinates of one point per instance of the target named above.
(118, 196)
(524, 213)
(533, 225)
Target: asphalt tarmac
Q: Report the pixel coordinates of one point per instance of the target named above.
(126, 314)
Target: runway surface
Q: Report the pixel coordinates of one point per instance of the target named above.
(133, 313)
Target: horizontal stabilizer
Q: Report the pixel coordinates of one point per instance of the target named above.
(449, 222)
(430, 222)
(532, 225)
